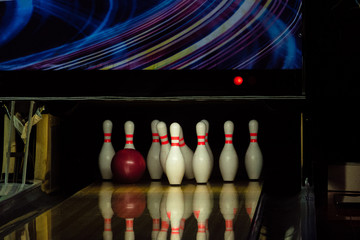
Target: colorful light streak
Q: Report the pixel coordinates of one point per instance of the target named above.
(158, 34)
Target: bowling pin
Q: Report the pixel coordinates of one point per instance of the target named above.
(201, 159)
(207, 142)
(129, 128)
(107, 213)
(164, 219)
(229, 204)
(107, 152)
(153, 158)
(154, 195)
(228, 161)
(188, 156)
(175, 210)
(165, 145)
(202, 210)
(253, 156)
(175, 164)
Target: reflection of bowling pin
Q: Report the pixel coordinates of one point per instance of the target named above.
(175, 210)
(175, 164)
(201, 209)
(129, 232)
(252, 194)
(165, 145)
(153, 158)
(228, 207)
(207, 143)
(201, 159)
(107, 213)
(164, 219)
(211, 193)
(188, 201)
(154, 195)
(188, 156)
(107, 151)
(129, 128)
(228, 161)
(253, 156)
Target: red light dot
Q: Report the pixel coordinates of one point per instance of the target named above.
(238, 80)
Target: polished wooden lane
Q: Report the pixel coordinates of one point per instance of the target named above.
(107, 211)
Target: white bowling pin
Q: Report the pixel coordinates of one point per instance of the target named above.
(107, 151)
(201, 209)
(207, 142)
(228, 207)
(153, 158)
(154, 195)
(201, 159)
(175, 164)
(175, 210)
(107, 213)
(188, 157)
(228, 161)
(164, 219)
(129, 128)
(253, 156)
(165, 145)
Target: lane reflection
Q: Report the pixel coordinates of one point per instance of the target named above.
(128, 204)
(229, 205)
(153, 211)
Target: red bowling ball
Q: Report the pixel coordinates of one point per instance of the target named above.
(128, 166)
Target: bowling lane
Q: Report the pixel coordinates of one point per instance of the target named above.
(141, 211)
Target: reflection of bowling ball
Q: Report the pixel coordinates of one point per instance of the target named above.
(128, 166)
(128, 203)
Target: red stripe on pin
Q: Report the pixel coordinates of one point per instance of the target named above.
(129, 142)
(228, 142)
(107, 134)
(197, 213)
(228, 135)
(164, 226)
(163, 137)
(175, 144)
(201, 228)
(253, 134)
(165, 142)
(253, 140)
(156, 140)
(107, 140)
(201, 143)
(155, 134)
